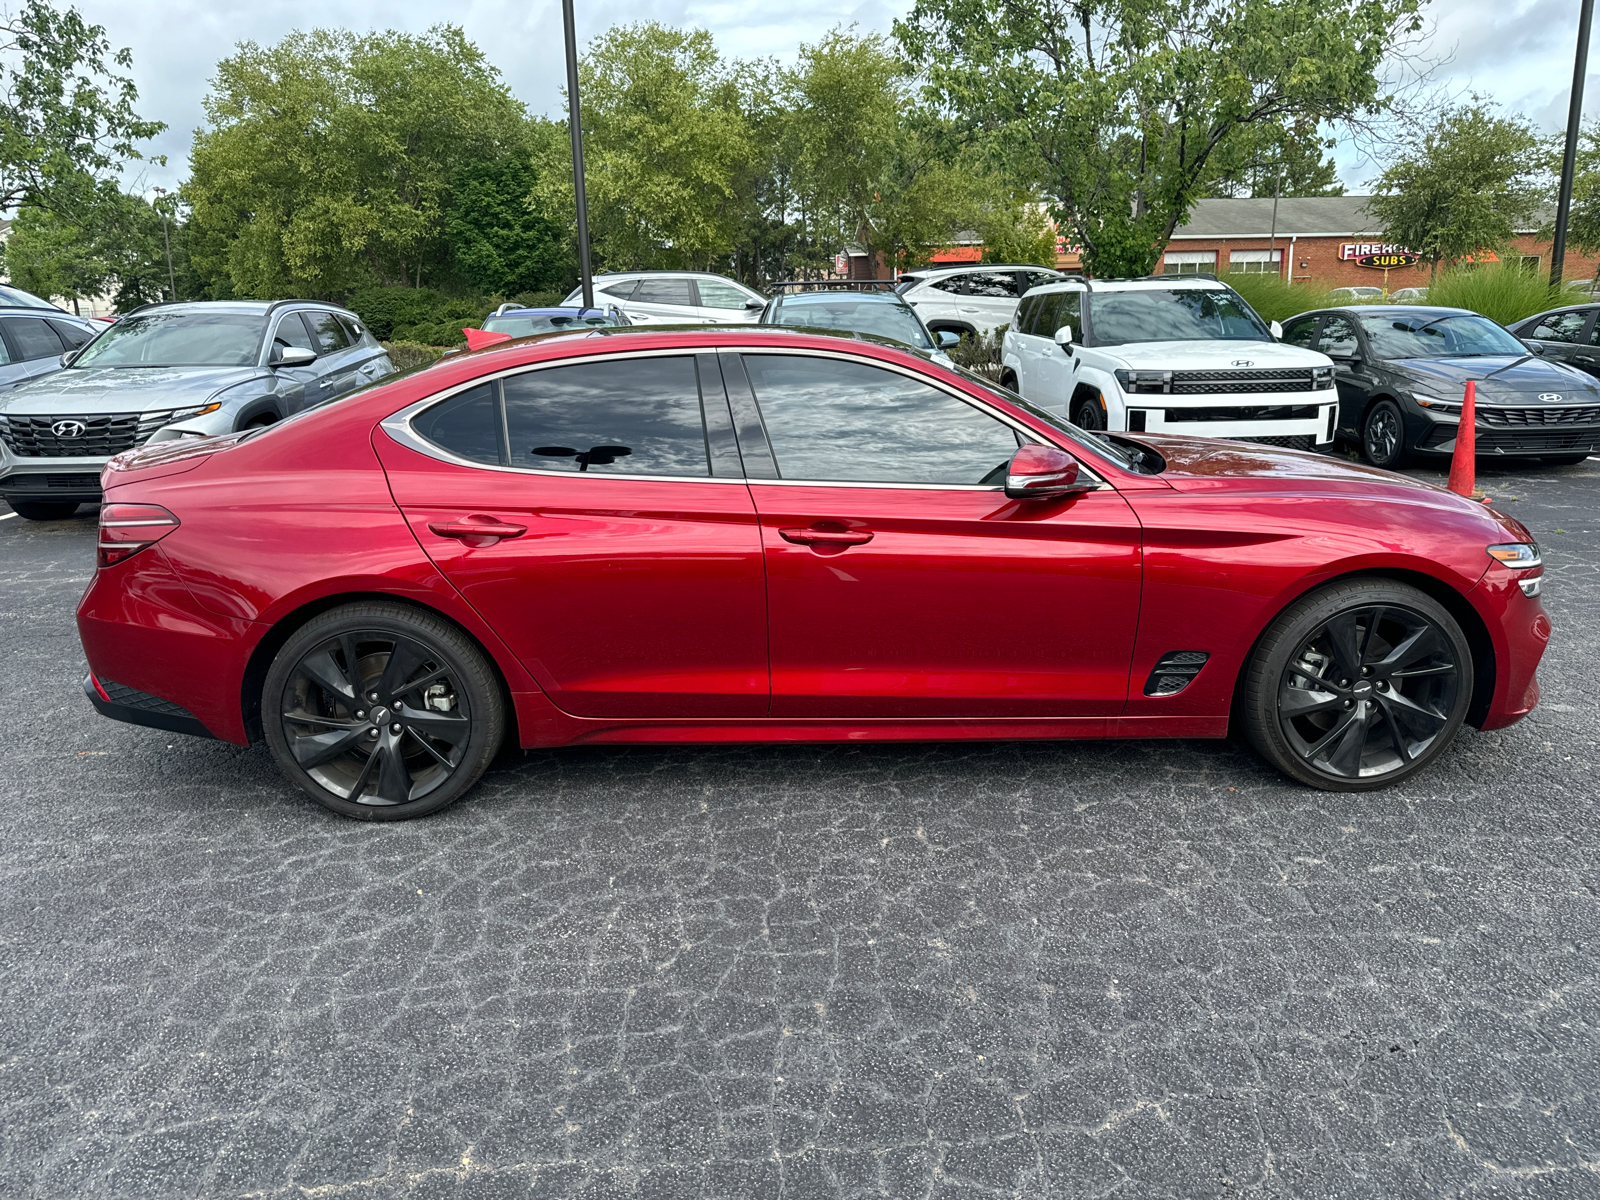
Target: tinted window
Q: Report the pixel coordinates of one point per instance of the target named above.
(1300, 332)
(71, 334)
(1001, 284)
(638, 416)
(1027, 311)
(952, 283)
(1045, 324)
(328, 332)
(33, 338)
(663, 291)
(720, 295)
(1069, 313)
(292, 331)
(1559, 327)
(352, 327)
(833, 420)
(1040, 278)
(467, 425)
(1338, 337)
(620, 290)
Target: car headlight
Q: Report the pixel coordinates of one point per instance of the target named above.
(199, 410)
(1321, 378)
(1518, 556)
(1447, 407)
(1136, 382)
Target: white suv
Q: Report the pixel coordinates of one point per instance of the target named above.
(1167, 354)
(972, 299)
(675, 298)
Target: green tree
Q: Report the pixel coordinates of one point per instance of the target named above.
(501, 244)
(1583, 228)
(112, 246)
(1475, 178)
(1117, 107)
(1265, 160)
(328, 159)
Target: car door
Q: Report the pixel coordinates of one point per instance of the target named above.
(1565, 337)
(34, 348)
(989, 298)
(722, 302)
(12, 369)
(1056, 371)
(1353, 371)
(628, 576)
(297, 387)
(901, 581)
(370, 358)
(337, 355)
(666, 300)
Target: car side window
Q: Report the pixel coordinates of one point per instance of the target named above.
(1026, 312)
(1040, 278)
(1338, 337)
(720, 295)
(33, 338)
(467, 425)
(330, 335)
(1045, 324)
(620, 291)
(833, 420)
(1300, 331)
(1069, 312)
(663, 291)
(996, 284)
(1559, 327)
(950, 283)
(292, 331)
(351, 328)
(5, 353)
(631, 416)
(71, 334)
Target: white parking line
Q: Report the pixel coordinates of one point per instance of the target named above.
(6, 516)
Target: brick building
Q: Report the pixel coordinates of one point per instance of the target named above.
(1316, 240)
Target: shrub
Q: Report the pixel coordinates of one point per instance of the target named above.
(1502, 292)
(980, 353)
(1274, 298)
(408, 356)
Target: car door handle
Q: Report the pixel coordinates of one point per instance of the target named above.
(477, 530)
(836, 537)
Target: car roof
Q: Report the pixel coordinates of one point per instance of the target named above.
(811, 297)
(686, 274)
(28, 310)
(954, 268)
(1148, 283)
(549, 311)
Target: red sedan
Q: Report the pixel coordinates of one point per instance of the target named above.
(763, 535)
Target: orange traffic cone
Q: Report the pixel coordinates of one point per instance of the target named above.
(1464, 461)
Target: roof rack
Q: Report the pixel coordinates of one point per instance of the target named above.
(833, 285)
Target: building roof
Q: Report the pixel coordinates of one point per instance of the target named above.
(1298, 216)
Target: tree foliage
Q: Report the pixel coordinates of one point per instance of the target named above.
(111, 247)
(1119, 107)
(501, 243)
(1583, 227)
(1474, 180)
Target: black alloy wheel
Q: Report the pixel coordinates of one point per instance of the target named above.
(44, 510)
(382, 712)
(1383, 436)
(1358, 686)
(1090, 414)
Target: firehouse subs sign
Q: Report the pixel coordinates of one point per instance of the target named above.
(1380, 255)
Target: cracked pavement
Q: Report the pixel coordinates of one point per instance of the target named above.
(1136, 969)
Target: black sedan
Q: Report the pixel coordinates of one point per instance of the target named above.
(1568, 335)
(1402, 372)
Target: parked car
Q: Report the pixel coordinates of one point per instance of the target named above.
(717, 535)
(972, 299)
(1166, 354)
(1402, 372)
(33, 339)
(877, 314)
(1410, 295)
(524, 322)
(675, 297)
(1564, 335)
(1356, 293)
(166, 370)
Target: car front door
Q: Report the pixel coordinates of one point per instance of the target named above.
(627, 575)
(1567, 337)
(297, 387)
(667, 300)
(337, 355)
(1353, 371)
(901, 581)
(722, 302)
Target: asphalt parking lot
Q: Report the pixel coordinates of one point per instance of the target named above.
(1025, 970)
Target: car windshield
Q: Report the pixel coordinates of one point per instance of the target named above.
(857, 316)
(1117, 453)
(21, 299)
(177, 339)
(1459, 335)
(1173, 315)
(525, 324)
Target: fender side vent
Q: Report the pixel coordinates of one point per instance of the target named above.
(1174, 672)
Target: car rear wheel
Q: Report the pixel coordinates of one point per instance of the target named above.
(1383, 436)
(43, 510)
(382, 712)
(1357, 686)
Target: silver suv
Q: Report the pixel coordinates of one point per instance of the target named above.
(971, 299)
(675, 298)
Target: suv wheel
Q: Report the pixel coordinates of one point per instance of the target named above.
(1089, 414)
(1383, 436)
(381, 711)
(1357, 686)
(43, 510)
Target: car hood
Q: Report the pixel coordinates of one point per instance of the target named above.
(1500, 377)
(122, 389)
(1215, 355)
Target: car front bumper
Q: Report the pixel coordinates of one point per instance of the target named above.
(1437, 436)
(1257, 415)
(50, 480)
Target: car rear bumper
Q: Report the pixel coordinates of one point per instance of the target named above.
(140, 708)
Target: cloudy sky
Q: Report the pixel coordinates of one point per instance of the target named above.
(1519, 53)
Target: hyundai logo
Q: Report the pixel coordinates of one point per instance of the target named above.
(69, 429)
(1244, 362)
(1550, 396)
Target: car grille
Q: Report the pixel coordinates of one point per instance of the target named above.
(1524, 417)
(1210, 383)
(1282, 412)
(104, 434)
(33, 482)
(1492, 441)
(1294, 441)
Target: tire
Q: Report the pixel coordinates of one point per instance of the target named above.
(261, 422)
(1088, 413)
(439, 724)
(43, 510)
(1565, 460)
(1383, 436)
(1357, 686)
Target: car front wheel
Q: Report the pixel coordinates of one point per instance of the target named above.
(1383, 436)
(1090, 413)
(1357, 686)
(381, 711)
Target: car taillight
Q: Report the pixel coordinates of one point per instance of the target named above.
(126, 529)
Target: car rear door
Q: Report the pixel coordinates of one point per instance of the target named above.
(989, 298)
(627, 571)
(721, 302)
(338, 356)
(668, 300)
(34, 348)
(901, 581)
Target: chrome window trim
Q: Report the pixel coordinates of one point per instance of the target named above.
(398, 425)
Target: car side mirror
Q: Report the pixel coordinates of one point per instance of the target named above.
(1042, 473)
(1535, 347)
(947, 340)
(67, 356)
(294, 356)
(1064, 338)
(1276, 330)
(754, 305)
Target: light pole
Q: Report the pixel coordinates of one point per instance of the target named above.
(1580, 67)
(172, 281)
(575, 120)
